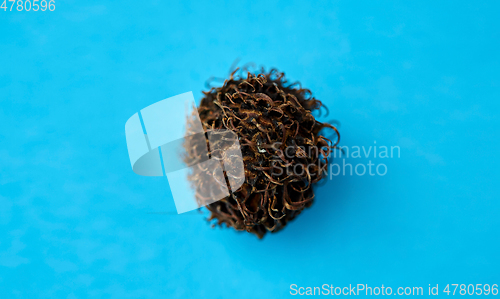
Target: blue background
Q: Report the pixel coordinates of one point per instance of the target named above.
(76, 222)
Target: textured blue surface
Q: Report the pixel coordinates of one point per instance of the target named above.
(76, 222)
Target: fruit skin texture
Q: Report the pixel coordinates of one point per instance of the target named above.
(284, 153)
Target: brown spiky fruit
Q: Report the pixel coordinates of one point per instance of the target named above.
(284, 153)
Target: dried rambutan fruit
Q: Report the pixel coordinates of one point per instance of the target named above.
(284, 152)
